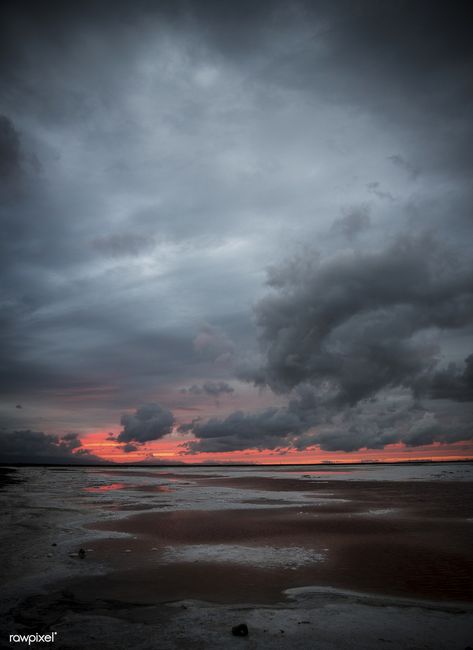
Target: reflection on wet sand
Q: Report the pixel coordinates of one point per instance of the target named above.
(110, 487)
(285, 546)
(105, 488)
(419, 548)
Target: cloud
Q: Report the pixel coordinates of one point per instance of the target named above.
(374, 188)
(355, 221)
(271, 428)
(213, 344)
(129, 447)
(348, 334)
(412, 170)
(354, 324)
(268, 429)
(393, 417)
(10, 156)
(149, 422)
(123, 244)
(38, 447)
(212, 388)
(453, 383)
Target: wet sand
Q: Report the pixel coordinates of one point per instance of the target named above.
(8, 476)
(421, 548)
(305, 562)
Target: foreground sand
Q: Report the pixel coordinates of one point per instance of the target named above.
(304, 562)
(315, 620)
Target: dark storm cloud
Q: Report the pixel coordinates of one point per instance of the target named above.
(429, 429)
(370, 424)
(453, 383)
(391, 418)
(352, 320)
(407, 48)
(350, 328)
(268, 429)
(38, 447)
(149, 422)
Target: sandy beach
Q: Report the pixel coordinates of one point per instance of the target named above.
(363, 557)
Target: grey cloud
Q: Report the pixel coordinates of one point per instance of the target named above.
(427, 430)
(268, 429)
(70, 441)
(443, 425)
(453, 383)
(149, 422)
(352, 320)
(212, 388)
(129, 447)
(10, 157)
(412, 170)
(391, 418)
(214, 344)
(38, 447)
(375, 189)
(347, 333)
(123, 244)
(416, 44)
(271, 428)
(355, 221)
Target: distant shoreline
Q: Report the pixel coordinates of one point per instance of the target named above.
(6, 464)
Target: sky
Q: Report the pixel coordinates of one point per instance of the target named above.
(236, 232)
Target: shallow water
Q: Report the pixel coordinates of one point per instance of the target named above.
(212, 532)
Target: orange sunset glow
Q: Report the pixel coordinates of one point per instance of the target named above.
(170, 450)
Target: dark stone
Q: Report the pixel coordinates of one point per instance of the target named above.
(81, 553)
(240, 630)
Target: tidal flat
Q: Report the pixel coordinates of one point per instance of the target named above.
(353, 556)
